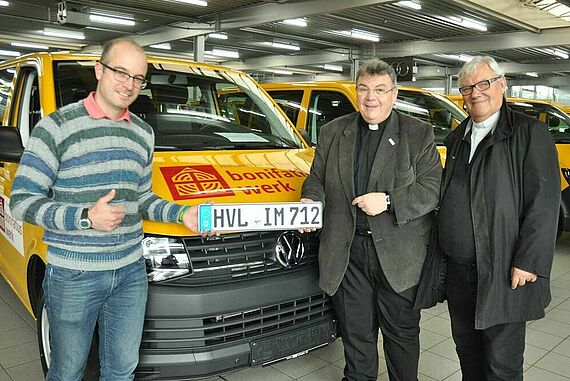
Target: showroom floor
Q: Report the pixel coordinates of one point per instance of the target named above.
(547, 355)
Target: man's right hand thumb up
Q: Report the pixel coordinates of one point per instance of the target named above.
(106, 217)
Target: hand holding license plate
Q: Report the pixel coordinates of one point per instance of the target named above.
(262, 216)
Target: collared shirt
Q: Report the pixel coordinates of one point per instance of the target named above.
(367, 142)
(97, 112)
(480, 130)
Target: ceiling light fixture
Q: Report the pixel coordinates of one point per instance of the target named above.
(30, 45)
(532, 74)
(362, 35)
(332, 67)
(468, 23)
(4, 3)
(409, 4)
(553, 7)
(281, 45)
(219, 36)
(223, 53)
(194, 2)
(297, 22)
(456, 57)
(111, 20)
(163, 46)
(10, 53)
(557, 53)
(64, 33)
(279, 71)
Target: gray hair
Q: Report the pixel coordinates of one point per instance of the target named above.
(376, 66)
(472, 65)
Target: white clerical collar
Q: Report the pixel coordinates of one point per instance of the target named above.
(373, 127)
(490, 122)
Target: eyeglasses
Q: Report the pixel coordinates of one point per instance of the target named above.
(363, 90)
(481, 86)
(121, 76)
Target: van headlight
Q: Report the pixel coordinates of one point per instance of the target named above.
(165, 258)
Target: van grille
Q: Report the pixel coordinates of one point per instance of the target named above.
(176, 334)
(235, 257)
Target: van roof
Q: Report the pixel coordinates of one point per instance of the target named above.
(63, 56)
(332, 84)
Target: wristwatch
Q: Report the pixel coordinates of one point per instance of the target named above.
(388, 202)
(84, 221)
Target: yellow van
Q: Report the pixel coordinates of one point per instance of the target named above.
(309, 105)
(216, 303)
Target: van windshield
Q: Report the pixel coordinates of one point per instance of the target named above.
(558, 122)
(192, 108)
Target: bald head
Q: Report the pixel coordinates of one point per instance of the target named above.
(110, 47)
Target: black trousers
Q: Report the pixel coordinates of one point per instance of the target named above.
(365, 302)
(491, 354)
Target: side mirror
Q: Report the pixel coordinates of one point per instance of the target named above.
(11, 147)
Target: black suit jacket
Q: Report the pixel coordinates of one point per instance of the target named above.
(408, 166)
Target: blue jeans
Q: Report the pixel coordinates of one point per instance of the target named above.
(76, 300)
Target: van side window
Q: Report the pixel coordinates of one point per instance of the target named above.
(29, 99)
(325, 106)
(290, 102)
(6, 77)
(557, 121)
(73, 82)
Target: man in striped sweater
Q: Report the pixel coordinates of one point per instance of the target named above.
(85, 177)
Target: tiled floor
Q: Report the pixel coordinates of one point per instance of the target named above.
(547, 355)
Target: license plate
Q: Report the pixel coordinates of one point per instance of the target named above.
(292, 344)
(262, 216)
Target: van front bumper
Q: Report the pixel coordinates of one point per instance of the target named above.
(215, 329)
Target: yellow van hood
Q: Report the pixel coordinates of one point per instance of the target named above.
(192, 178)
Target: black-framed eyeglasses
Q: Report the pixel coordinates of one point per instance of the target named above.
(363, 90)
(122, 76)
(481, 86)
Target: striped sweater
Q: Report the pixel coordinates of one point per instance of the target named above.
(72, 160)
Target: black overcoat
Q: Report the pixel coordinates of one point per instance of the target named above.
(515, 202)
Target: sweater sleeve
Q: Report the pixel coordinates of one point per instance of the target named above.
(151, 206)
(30, 197)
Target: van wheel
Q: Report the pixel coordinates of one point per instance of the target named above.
(43, 333)
(92, 367)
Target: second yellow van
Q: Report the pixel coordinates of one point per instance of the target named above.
(310, 105)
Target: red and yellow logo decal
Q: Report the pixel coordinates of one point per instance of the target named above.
(195, 181)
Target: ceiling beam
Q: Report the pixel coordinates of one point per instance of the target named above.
(288, 60)
(514, 12)
(501, 15)
(257, 15)
(509, 68)
(267, 13)
(312, 40)
(486, 43)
